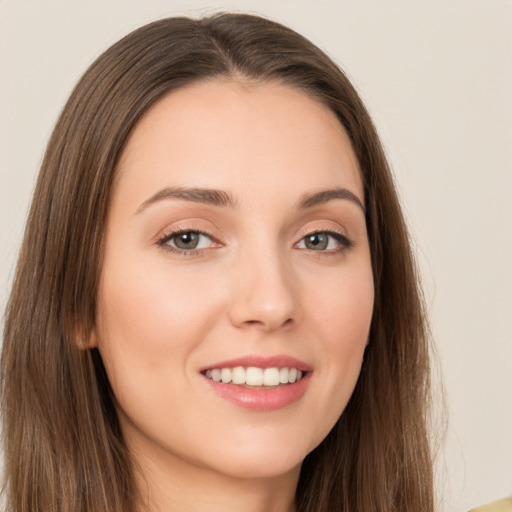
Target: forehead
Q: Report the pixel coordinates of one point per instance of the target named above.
(234, 134)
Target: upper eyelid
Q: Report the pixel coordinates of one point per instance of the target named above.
(340, 237)
(321, 228)
(175, 232)
(194, 226)
(180, 230)
(184, 227)
(168, 233)
(327, 230)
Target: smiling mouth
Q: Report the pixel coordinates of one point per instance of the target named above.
(255, 377)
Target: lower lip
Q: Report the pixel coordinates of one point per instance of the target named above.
(258, 399)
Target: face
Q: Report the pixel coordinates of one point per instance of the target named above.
(236, 291)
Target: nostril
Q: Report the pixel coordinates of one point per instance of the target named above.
(269, 325)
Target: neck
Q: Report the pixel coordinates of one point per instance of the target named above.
(174, 485)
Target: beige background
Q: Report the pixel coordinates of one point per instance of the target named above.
(437, 77)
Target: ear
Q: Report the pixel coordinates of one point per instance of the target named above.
(86, 340)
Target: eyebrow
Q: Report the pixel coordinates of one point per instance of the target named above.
(221, 198)
(324, 196)
(196, 195)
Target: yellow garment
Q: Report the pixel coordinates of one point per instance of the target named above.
(498, 506)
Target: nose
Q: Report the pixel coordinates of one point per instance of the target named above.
(265, 293)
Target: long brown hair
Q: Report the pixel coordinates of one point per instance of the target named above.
(64, 449)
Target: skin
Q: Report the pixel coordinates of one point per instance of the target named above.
(252, 287)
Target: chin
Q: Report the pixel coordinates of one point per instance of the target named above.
(262, 459)
(258, 468)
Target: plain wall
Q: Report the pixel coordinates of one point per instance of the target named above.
(437, 77)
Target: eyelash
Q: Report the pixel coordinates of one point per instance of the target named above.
(163, 242)
(344, 242)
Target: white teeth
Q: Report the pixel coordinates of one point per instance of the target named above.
(254, 376)
(237, 375)
(271, 377)
(225, 375)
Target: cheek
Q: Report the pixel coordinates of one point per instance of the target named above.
(149, 322)
(351, 324)
(154, 304)
(344, 308)
(343, 314)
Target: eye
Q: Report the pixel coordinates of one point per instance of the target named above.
(325, 241)
(186, 241)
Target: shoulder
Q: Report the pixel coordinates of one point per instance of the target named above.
(504, 505)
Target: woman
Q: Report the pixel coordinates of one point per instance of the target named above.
(215, 306)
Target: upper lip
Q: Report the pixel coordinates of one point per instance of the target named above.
(258, 361)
